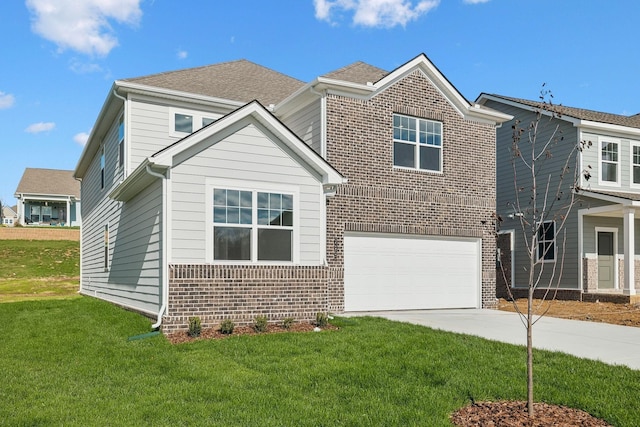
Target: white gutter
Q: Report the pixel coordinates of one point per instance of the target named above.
(164, 293)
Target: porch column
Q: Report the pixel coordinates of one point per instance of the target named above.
(629, 252)
(68, 214)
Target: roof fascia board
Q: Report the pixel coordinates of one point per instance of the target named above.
(486, 97)
(607, 198)
(587, 125)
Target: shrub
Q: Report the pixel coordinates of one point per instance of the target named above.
(287, 323)
(322, 320)
(226, 327)
(260, 324)
(195, 327)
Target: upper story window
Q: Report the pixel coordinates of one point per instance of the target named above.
(546, 239)
(121, 142)
(635, 164)
(417, 143)
(609, 162)
(184, 122)
(252, 225)
(102, 167)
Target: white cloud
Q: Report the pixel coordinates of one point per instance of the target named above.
(375, 13)
(83, 26)
(80, 67)
(81, 138)
(182, 54)
(40, 127)
(6, 100)
(475, 1)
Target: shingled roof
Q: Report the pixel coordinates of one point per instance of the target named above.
(241, 80)
(358, 72)
(49, 182)
(582, 114)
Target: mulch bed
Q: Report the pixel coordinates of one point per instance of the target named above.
(211, 333)
(514, 414)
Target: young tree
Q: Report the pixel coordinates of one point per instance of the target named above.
(545, 191)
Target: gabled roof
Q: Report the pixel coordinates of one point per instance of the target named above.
(240, 80)
(576, 113)
(9, 212)
(52, 182)
(358, 72)
(252, 112)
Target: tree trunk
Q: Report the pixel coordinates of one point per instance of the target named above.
(530, 354)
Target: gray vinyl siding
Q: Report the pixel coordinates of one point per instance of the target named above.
(133, 277)
(306, 123)
(506, 195)
(250, 154)
(591, 158)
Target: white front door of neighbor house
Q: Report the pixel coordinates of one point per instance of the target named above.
(393, 272)
(606, 259)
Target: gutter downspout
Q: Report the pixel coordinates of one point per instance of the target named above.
(164, 293)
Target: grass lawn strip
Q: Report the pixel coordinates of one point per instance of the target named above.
(68, 362)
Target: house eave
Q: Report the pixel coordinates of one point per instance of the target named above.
(137, 181)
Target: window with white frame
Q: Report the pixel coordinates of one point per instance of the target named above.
(252, 226)
(546, 241)
(417, 143)
(609, 162)
(635, 164)
(184, 122)
(121, 142)
(106, 247)
(102, 167)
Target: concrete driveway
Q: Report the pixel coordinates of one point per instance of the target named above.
(612, 344)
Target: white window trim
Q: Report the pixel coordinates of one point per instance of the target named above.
(254, 187)
(198, 116)
(631, 145)
(417, 146)
(555, 246)
(121, 143)
(601, 143)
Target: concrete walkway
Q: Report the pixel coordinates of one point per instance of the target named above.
(612, 344)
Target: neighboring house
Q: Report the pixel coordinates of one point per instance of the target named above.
(9, 216)
(231, 191)
(48, 197)
(602, 244)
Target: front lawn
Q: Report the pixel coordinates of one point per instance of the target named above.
(68, 362)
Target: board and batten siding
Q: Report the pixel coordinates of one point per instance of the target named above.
(306, 123)
(249, 155)
(506, 194)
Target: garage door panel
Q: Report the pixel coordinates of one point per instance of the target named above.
(399, 273)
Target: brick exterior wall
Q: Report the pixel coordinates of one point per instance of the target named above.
(383, 199)
(28, 233)
(240, 293)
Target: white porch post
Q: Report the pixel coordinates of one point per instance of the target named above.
(629, 252)
(68, 214)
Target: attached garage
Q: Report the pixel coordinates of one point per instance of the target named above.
(399, 272)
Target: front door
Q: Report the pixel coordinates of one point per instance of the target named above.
(606, 260)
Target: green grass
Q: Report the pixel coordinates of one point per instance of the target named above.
(68, 362)
(36, 269)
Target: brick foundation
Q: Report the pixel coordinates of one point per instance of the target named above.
(241, 293)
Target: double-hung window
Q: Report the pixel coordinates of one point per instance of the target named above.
(546, 241)
(635, 164)
(102, 167)
(609, 162)
(184, 122)
(121, 142)
(252, 226)
(417, 143)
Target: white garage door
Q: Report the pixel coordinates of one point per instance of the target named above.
(390, 272)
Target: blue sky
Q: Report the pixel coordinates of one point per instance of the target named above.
(60, 57)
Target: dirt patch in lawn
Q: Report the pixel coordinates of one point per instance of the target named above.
(212, 333)
(605, 312)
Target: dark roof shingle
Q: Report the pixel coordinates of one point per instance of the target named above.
(241, 80)
(358, 72)
(49, 182)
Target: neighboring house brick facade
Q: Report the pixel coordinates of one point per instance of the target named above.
(361, 190)
(48, 197)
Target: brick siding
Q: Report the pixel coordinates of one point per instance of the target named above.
(241, 293)
(382, 199)
(28, 233)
